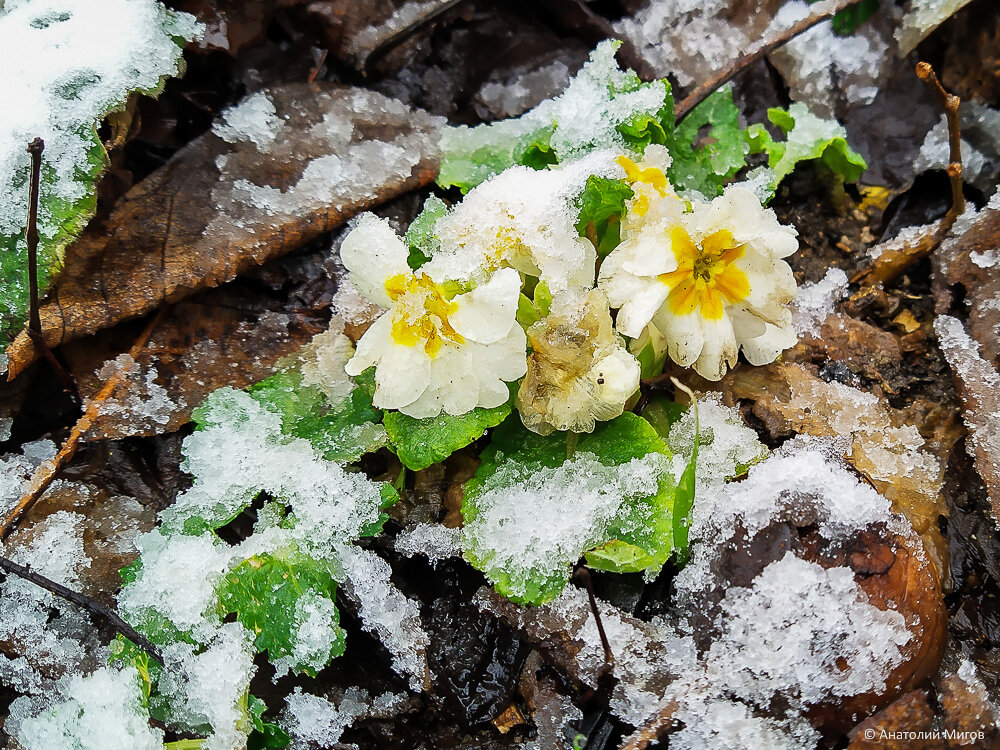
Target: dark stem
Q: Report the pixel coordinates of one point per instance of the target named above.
(583, 575)
(35, 148)
(85, 602)
(702, 92)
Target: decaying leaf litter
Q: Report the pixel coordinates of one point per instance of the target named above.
(842, 573)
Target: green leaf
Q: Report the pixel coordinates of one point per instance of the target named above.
(602, 204)
(847, 21)
(343, 432)
(68, 106)
(473, 155)
(513, 462)
(807, 137)
(267, 593)
(651, 363)
(266, 735)
(684, 501)
(125, 653)
(420, 236)
(617, 556)
(662, 414)
(422, 442)
(706, 164)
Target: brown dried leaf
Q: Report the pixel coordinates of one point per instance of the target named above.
(911, 713)
(232, 24)
(883, 446)
(218, 209)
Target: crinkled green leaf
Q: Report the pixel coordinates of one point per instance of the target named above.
(68, 106)
(422, 442)
(263, 592)
(706, 164)
(807, 137)
(602, 204)
(343, 432)
(421, 237)
(515, 455)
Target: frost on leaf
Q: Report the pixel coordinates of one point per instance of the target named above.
(65, 66)
(535, 506)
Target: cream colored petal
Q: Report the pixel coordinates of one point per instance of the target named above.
(614, 379)
(506, 359)
(401, 377)
(683, 333)
(373, 345)
(746, 325)
(373, 252)
(454, 377)
(720, 351)
(765, 348)
(641, 307)
(486, 314)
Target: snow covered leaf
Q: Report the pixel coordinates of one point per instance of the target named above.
(64, 69)
(473, 155)
(807, 137)
(705, 165)
(286, 601)
(422, 442)
(284, 166)
(537, 504)
(621, 113)
(341, 432)
(602, 204)
(420, 237)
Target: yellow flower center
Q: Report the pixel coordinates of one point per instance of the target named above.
(651, 176)
(420, 315)
(705, 275)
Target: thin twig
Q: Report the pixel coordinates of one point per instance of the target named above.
(653, 730)
(47, 472)
(583, 575)
(35, 148)
(891, 264)
(94, 607)
(951, 105)
(702, 92)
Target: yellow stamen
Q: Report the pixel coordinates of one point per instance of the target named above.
(421, 313)
(705, 274)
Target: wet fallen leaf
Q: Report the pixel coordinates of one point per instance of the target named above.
(232, 24)
(910, 713)
(219, 208)
(232, 335)
(881, 443)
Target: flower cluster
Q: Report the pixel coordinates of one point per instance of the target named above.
(697, 280)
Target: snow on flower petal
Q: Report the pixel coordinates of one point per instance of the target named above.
(433, 350)
(525, 219)
(709, 280)
(578, 372)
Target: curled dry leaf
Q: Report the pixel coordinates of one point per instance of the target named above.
(892, 454)
(299, 161)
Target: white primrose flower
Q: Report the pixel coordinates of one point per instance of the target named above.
(526, 219)
(432, 349)
(709, 280)
(579, 372)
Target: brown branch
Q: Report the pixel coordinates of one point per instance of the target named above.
(702, 92)
(36, 148)
(891, 264)
(94, 607)
(653, 730)
(47, 472)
